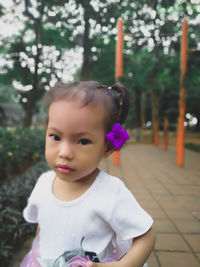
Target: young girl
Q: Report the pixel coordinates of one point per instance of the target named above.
(86, 217)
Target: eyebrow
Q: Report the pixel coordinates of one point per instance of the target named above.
(53, 129)
(75, 134)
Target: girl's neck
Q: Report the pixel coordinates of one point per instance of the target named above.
(68, 191)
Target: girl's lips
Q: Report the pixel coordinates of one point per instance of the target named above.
(64, 169)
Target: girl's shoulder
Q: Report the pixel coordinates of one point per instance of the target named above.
(45, 179)
(107, 176)
(46, 176)
(110, 181)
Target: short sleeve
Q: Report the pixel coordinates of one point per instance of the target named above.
(126, 217)
(30, 212)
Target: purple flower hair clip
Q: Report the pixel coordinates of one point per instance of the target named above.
(118, 136)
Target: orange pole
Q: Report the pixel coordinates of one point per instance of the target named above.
(118, 69)
(182, 98)
(156, 137)
(165, 143)
(116, 158)
(119, 50)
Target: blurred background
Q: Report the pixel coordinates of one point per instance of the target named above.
(42, 42)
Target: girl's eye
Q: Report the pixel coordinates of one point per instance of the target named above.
(55, 137)
(84, 142)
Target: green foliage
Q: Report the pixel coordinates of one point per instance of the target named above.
(34, 56)
(19, 148)
(7, 93)
(151, 52)
(1, 10)
(52, 36)
(103, 64)
(193, 147)
(13, 198)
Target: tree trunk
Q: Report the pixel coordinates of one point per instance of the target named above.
(142, 115)
(31, 99)
(154, 110)
(85, 72)
(138, 107)
(28, 114)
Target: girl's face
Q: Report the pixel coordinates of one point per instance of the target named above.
(75, 139)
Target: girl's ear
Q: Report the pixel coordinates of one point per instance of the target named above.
(108, 152)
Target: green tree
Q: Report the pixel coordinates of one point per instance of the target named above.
(37, 52)
(51, 28)
(32, 60)
(151, 55)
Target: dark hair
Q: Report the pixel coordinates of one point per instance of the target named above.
(114, 98)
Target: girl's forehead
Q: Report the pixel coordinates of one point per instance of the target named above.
(67, 105)
(70, 112)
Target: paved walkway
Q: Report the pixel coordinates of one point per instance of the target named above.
(170, 194)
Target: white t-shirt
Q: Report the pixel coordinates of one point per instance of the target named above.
(106, 215)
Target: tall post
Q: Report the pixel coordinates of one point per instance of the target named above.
(182, 98)
(156, 134)
(119, 50)
(165, 141)
(118, 69)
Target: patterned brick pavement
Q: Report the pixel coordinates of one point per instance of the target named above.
(170, 194)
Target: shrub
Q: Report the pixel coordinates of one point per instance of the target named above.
(13, 198)
(19, 148)
(193, 147)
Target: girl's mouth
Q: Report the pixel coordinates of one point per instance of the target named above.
(64, 169)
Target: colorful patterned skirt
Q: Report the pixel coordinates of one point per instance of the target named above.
(75, 258)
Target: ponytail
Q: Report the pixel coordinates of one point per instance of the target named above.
(121, 99)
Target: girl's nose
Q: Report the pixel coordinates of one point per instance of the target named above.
(65, 151)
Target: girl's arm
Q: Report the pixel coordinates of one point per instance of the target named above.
(37, 230)
(137, 255)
